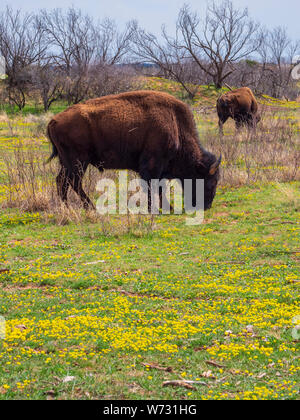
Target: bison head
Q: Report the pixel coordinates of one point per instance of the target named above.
(210, 172)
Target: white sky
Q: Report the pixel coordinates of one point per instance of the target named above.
(151, 14)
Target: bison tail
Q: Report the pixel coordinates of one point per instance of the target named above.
(254, 107)
(54, 148)
(54, 153)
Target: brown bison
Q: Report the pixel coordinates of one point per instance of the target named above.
(239, 104)
(148, 132)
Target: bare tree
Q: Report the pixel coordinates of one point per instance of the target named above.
(226, 36)
(72, 38)
(277, 54)
(168, 57)
(22, 43)
(71, 35)
(109, 79)
(79, 45)
(48, 81)
(112, 45)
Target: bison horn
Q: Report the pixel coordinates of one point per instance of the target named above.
(215, 166)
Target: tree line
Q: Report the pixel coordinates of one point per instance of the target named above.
(65, 54)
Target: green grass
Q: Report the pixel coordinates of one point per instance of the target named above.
(100, 308)
(31, 108)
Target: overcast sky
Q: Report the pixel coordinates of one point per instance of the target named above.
(151, 14)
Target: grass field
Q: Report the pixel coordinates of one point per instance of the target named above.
(113, 308)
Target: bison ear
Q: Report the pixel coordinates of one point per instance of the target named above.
(214, 167)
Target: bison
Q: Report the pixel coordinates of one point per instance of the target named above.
(239, 104)
(151, 133)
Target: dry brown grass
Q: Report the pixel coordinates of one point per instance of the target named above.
(272, 153)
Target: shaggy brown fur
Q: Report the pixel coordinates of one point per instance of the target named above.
(240, 105)
(148, 132)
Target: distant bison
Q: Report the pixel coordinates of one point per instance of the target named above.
(148, 132)
(240, 105)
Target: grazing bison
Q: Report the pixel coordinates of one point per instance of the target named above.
(240, 105)
(148, 132)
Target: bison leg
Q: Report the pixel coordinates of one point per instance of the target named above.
(251, 123)
(76, 184)
(62, 182)
(221, 130)
(238, 125)
(72, 177)
(162, 194)
(150, 168)
(240, 121)
(222, 121)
